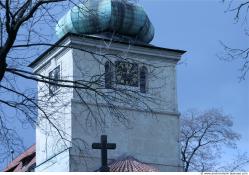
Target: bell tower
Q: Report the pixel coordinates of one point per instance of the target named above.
(104, 78)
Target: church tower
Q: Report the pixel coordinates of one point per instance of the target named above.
(103, 77)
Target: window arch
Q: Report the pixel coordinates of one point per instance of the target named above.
(108, 74)
(143, 79)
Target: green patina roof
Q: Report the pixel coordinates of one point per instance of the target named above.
(102, 16)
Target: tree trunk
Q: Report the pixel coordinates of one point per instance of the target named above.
(4, 52)
(3, 66)
(186, 167)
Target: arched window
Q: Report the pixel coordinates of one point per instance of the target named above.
(54, 77)
(108, 74)
(143, 79)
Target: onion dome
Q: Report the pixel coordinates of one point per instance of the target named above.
(107, 16)
(130, 164)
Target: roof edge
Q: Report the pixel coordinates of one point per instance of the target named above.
(30, 150)
(33, 63)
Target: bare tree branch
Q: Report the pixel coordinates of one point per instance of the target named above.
(202, 135)
(232, 54)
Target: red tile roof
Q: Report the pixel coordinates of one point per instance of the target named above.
(23, 162)
(26, 162)
(130, 164)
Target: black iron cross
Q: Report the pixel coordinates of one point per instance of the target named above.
(104, 146)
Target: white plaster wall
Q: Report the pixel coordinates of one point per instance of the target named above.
(49, 133)
(161, 80)
(58, 163)
(149, 137)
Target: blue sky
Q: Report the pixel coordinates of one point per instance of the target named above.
(204, 81)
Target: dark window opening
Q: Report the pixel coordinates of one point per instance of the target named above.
(108, 74)
(54, 76)
(31, 168)
(126, 73)
(12, 169)
(27, 160)
(143, 79)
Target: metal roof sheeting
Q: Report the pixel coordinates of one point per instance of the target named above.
(99, 16)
